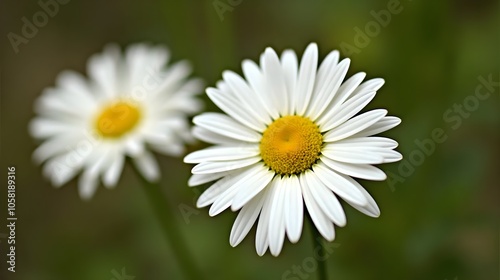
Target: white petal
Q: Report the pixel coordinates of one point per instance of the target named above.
(134, 147)
(306, 78)
(219, 187)
(167, 125)
(380, 126)
(354, 125)
(224, 200)
(87, 184)
(256, 80)
(114, 170)
(220, 166)
(211, 137)
(246, 95)
(102, 69)
(165, 84)
(144, 62)
(294, 211)
(63, 105)
(276, 232)
(147, 165)
(352, 156)
(190, 87)
(371, 208)
(261, 235)
(180, 102)
(362, 171)
(290, 67)
(226, 126)
(275, 80)
(246, 218)
(343, 186)
(98, 157)
(370, 85)
(168, 148)
(326, 71)
(45, 127)
(344, 92)
(220, 153)
(380, 142)
(58, 145)
(254, 186)
(327, 87)
(199, 179)
(232, 107)
(62, 168)
(390, 155)
(76, 86)
(325, 199)
(168, 140)
(350, 108)
(320, 220)
(360, 154)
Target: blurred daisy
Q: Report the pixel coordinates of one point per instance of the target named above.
(292, 134)
(130, 104)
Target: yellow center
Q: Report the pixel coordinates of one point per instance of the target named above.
(291, 145)
(117, 119)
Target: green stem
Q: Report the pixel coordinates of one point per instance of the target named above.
(318, 242)
(171, 232)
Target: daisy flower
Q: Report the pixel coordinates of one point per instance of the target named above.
(130, 105)
(291, 136)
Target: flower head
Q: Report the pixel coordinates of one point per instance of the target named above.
(291, 135)
(129, 105)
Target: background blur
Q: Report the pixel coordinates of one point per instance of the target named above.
(439, 216)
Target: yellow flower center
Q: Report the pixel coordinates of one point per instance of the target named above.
(117, 119)
(291, 145)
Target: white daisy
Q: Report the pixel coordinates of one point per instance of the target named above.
(292, 134)
(130, 104)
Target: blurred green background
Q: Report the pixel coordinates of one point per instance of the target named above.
(439, 222)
